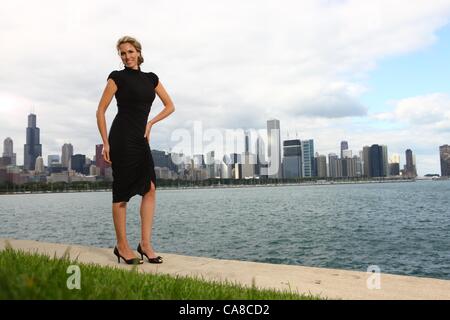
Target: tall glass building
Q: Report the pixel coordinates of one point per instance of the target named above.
(66, 154)
(378, 165)
(32, 148)
(308, 158)
(344, 146)
(292, 159)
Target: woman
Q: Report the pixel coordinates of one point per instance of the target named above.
(127, 146)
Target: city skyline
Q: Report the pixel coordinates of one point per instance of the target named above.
(383, 78)
(292, 157)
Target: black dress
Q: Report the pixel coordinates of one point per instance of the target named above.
(130, 154)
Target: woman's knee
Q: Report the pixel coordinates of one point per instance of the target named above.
(152, 190)
(120, 204)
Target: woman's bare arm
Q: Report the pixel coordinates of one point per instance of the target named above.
(105, 100)
(168, 109)
(168, 104)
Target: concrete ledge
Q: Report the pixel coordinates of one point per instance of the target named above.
(328, 283)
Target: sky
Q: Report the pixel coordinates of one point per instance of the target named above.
(368, 72)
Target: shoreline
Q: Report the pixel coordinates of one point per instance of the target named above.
(225, 186)
(325, 282)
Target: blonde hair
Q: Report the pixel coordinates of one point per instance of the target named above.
(136, 44)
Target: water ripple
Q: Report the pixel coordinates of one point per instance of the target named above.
(404, 228)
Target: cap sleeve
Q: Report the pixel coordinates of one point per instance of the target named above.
(115, 76)
(154, 78)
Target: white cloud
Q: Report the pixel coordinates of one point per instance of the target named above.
(230, 64)
(431, 112)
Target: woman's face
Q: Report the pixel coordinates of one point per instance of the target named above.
(129, 55)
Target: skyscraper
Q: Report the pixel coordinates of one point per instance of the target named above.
(274, 148)
(236, 167)
(8, 150)
(344, 146)
(376, 160)
(366, 161)
(247, 141)
(359, 164)
(32, 148)
(349, 166)
(78, 163)
(292, 159)
(394, 165)
(349, 163)
(211, 164)
(334, 166)
(163, 159)
(100, 160)
(444, 152)
(308, 157)
(39, 166)
(249, 160)
(321, 166)
(260, 154)
(248, 163)
(410, 168)
(225, 167)
(66, 155)
(394, 169)
(384, 153)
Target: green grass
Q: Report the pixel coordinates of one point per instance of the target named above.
(34, 276)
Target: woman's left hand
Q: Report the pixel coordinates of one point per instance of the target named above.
(147, 131)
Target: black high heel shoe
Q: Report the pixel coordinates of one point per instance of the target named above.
(158, 259)
(129, 261)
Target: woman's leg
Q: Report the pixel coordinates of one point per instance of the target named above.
(120, 223)
(147, 213)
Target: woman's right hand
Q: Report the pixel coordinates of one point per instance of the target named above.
(105, 153)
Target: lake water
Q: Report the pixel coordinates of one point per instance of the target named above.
(403, 228)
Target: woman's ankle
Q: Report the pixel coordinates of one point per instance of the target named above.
(122, 246)
(145, 244)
